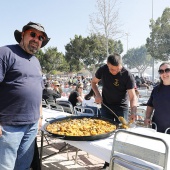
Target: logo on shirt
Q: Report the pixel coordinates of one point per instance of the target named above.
(116, 83)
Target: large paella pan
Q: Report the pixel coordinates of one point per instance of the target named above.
(80, 128)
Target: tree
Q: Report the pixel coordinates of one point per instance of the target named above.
(158, 45)
(52, 60)
(115, 46)
(105, 21)
(74, 52)
(89, 52)
(138, 58)
(95, 53)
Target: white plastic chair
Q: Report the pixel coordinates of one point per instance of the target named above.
(166, 131)
(83, 111)
(133, 151)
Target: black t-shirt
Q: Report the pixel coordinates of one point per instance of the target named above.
(73, 98)
(115, 87)
(50, 94)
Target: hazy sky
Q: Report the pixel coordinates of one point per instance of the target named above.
(63, 19)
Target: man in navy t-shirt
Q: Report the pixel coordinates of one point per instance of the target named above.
(21, 87)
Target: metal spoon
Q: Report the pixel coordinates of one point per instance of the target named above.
(120, 118)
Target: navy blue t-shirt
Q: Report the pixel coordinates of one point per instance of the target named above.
(114, 91)
(20, 86)
(160, 101)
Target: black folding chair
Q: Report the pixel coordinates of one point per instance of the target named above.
(67, 106)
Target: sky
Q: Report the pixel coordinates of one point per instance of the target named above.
(63, 19)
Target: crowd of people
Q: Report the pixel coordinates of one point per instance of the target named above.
(22, 90)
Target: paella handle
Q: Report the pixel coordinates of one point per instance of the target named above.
(49, 119)
(58, 137)
(52, 136)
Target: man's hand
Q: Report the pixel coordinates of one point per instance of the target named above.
(132, 118)
(147, 122)
(0, 130)
(98, 99)
(39, 124)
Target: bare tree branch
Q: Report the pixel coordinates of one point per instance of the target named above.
(105, 21)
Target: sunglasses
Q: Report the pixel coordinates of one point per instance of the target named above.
(57, 85)
(167, 70)
(33, 35)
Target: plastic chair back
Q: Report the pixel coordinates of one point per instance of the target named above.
(138, 152)
(83, 111)
(67, 106)
(57, 107)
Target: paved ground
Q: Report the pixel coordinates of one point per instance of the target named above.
(60, 161)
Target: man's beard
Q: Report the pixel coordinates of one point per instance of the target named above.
(32, 48)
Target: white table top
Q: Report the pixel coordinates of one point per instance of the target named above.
(102, 148)
(62, 98)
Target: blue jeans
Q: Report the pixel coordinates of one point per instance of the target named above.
(17, 146)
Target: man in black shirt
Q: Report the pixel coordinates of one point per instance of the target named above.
(49, 94)
(118, 88)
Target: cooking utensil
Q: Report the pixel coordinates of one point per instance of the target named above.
(120, 118)
(80, 138)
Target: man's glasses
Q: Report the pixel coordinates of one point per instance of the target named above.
(33, 35)
(167, 70)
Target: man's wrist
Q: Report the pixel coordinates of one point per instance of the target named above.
(148, 118)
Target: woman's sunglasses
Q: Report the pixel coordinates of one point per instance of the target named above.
(167, 70)
(33, 35)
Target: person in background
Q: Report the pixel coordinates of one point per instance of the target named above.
(158, 104)
(49, 93)
(57, 88)
(144, 83)
(76, 96)
(79, 80)
(70, 81)
(138, 81)
(89, 102)
(117, 89)
(21, 87)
